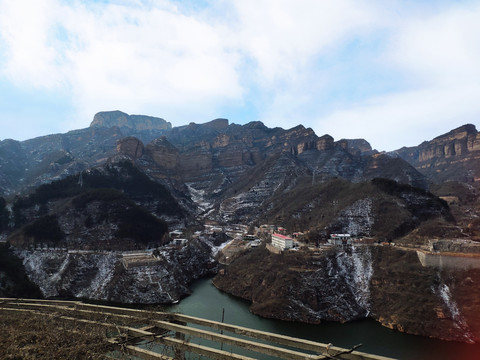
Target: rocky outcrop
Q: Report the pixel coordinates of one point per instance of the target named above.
(163, 154)
(453, 156)
(355, 146)
(131, 147)
(122, 120)
(101, 275)
(383, 283)
(324, 142)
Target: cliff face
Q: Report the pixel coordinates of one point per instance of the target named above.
(449, 157)
(208, 157)
(131, 147)
(102, 275)
(383, 283)
(136, 122)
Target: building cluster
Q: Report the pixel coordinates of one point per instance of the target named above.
(280, 240)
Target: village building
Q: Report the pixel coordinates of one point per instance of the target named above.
(210, 229)
(281, 230)
(175, 233)
(282, 242)
(179, 242)
(340, 239)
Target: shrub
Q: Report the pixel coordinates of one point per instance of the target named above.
(46, 229)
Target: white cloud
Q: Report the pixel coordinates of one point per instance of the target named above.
(283, 37)
(438, 56)
(350, 68)
(32, 57)
(118, 54)
(404, 119)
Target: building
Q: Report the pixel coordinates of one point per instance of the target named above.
(340, 239)
(175, 233)
(179, 242)
(282, 242)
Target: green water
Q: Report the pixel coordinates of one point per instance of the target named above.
(208, 302)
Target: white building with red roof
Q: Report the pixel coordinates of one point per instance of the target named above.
(281, 241)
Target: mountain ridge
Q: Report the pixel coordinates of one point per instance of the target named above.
(231, 171)
(77, 204)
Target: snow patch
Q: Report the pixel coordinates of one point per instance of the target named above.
(355, 267)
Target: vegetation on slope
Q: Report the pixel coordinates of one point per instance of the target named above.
(394, 209)
(123, 177)
(463, 200)
(45, 230)
(27, 336)
(403, 295)
(114, 207)
(13, 279)
(4, 215)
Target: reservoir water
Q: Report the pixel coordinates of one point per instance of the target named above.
(207, 302)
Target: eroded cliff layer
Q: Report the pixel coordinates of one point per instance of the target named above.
(453, 156)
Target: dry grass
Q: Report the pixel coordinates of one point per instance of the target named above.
(28, 336)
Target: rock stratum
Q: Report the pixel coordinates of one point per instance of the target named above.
(453, 156)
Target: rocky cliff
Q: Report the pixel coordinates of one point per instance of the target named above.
(236, 170)
(383, 283)
(104, 275)
(453, 156)
(117, 118)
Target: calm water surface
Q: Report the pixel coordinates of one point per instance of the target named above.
(208, 302)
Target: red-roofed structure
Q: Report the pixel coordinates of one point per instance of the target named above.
(281, 241)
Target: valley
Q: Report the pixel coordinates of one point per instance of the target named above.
(132, 210)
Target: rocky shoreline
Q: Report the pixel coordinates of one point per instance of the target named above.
(383, 283)
(104, 276)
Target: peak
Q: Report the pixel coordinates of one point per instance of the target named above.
(108, 118)
(255, 125)
(467, 129)
(217, 123)
(122, 120)
(360, 146)
(299, 127)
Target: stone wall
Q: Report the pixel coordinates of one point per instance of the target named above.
(465, 261)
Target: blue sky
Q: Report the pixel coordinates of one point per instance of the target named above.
(392, 72)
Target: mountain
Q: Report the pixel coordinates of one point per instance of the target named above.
(114, 207)
(453, 156)
(221, 171)
(30, 163)
(451, 164)
(75, 239)
(88, 215)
